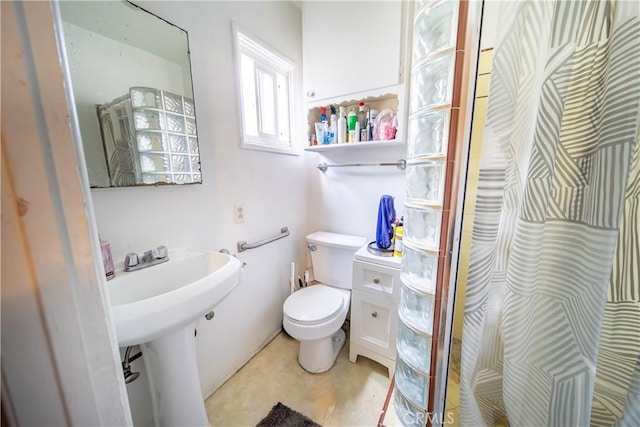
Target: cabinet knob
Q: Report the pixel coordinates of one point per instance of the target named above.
(376, 280)
(311, 94)
(374, 314)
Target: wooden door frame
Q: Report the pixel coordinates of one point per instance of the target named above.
(60, 360)
(466, 65)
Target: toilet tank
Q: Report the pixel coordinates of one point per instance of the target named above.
(332, 258)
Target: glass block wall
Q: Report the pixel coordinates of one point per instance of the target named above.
(430, 103)
(165, 128)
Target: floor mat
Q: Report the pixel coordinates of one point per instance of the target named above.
(283, 416)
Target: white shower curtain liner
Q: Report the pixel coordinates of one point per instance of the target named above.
(552, 315)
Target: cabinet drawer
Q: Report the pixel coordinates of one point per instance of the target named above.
(377, 279)
(374, 323)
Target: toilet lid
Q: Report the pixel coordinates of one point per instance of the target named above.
(313, 304)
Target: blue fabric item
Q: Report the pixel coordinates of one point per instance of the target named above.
(386, 218)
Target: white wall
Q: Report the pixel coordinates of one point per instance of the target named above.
(272, 187)
(103, 69)
(345, 200)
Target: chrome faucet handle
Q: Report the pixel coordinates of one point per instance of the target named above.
(131, 260)
(162, 252)
(148, 256)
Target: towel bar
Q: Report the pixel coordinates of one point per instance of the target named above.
(244, 245)
(400, 164)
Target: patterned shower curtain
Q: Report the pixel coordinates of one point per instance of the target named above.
(552, 316)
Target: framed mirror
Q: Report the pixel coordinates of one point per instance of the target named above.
(133, 92)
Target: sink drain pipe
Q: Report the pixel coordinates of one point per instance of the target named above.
(129, 376)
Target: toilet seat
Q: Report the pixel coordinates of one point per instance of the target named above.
(314, 304)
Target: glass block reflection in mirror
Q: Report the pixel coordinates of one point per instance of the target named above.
(191, 125)
(154, 178)
(435, 29)
(419, 269)
(425, 182)
(412, 383)
(195, 162)
(414, 347)
(193, 145)
(422, 226)
(407, 413)
(145, 97)
(154, 162)
(428, 134)
(166, 131)
(431, 83)
(189, 109)
(416, 309)
(176, 123)
(148, 119)
(180, 163)
(182, 178)
(173, 103)
(178, 143)
(151, 141)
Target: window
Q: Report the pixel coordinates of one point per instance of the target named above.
(265, 83)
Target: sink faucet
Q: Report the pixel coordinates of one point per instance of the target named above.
(133, 262)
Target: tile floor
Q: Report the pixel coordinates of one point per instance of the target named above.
(453, 403)
(347, 395)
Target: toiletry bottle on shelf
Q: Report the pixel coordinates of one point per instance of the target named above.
(342, 127)
(397, 246)
(362, 121)
(372, 119)
(395, 126)
(323, 119)
(333, 127)
(352, 121)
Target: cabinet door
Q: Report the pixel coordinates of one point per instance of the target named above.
(350, 47)
(374, 323)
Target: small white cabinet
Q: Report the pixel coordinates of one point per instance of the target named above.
(374, 308)
(351, 47)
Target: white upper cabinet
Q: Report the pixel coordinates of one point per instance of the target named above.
(351, 47)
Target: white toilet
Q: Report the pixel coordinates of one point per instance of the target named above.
(314, 315)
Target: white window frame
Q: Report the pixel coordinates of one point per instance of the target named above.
(270, 62)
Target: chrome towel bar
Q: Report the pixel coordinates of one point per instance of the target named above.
(400, 164)
(243, 246)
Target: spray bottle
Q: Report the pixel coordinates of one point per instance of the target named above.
(342, 127)
(333, 127)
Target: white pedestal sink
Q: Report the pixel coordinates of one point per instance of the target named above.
(157, 307)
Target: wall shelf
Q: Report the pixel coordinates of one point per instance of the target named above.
(356, 145)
